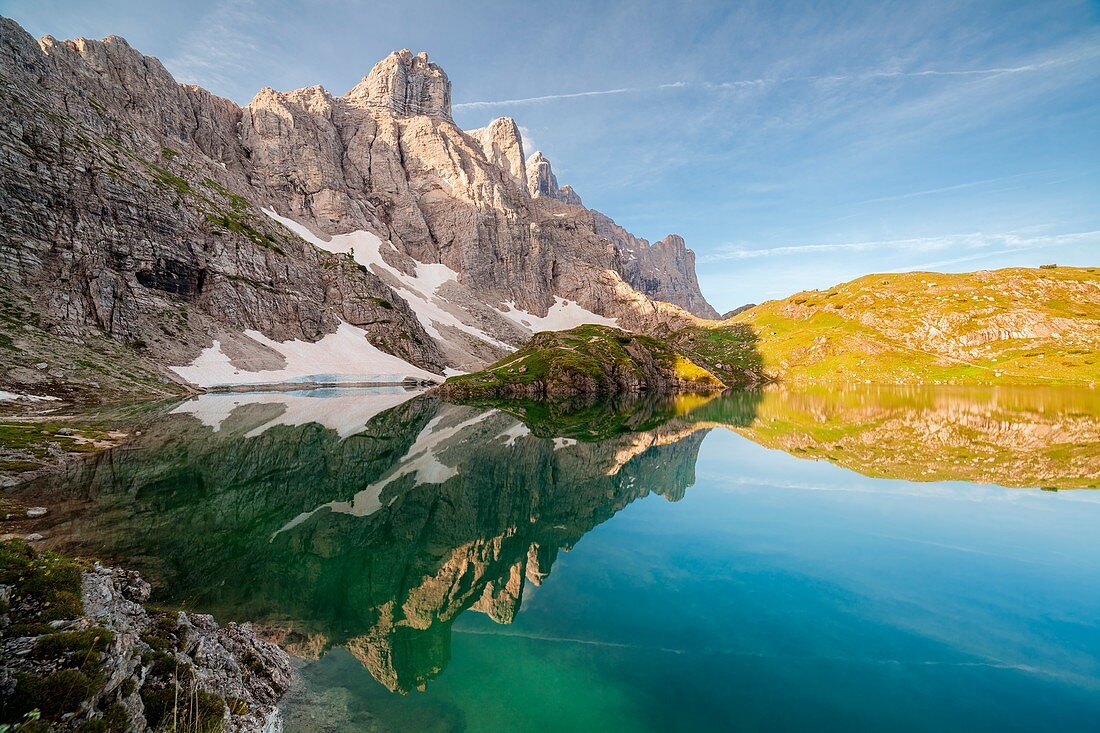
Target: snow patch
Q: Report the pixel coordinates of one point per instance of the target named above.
(344, 356)
(418, 290)
(561, 316)
(14, 396)
(514, 433)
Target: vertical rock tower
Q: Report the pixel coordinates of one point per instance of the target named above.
(541, 181)
(406, 85)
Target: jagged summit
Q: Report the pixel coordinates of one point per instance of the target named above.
(541, 181)
(406, 84)
(503, 146)
(368, 221)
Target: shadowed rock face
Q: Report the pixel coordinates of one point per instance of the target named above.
(132, 206)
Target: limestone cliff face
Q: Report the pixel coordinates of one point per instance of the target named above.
(135, 206)
(503, 147)
(664, 270)
(541, 181)
(406, 85)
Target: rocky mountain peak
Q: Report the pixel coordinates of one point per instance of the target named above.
(406, 84)
(541, 181)
(503, 146)
(675, 243)
(301, 217)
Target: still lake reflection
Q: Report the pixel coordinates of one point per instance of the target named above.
(654, 566)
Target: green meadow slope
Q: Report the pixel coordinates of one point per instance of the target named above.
(1011, 326)
(599, 360)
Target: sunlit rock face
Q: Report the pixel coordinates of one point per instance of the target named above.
(501, 142)
(168, 217)
(405, 84)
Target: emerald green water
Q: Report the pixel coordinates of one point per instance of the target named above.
(655, 566)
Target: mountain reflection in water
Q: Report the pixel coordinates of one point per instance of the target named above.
(371, 519)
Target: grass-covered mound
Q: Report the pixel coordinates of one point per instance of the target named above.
(591, 360)
(1012, 326)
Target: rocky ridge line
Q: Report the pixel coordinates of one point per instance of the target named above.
(133, 207)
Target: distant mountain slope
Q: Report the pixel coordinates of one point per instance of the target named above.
(997, 326)
(233, 241)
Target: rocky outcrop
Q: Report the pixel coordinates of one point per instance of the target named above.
(406, 85)
(541, 181)
(503, 147)
(587, 360)
(664, 270)
(80, 647)
(143, 210)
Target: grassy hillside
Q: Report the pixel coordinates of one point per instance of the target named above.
(598, 360)
(1012, 326)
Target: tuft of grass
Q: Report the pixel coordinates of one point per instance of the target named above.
(46, 587)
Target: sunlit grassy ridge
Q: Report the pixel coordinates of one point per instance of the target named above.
(1012, 326)
(592, 359)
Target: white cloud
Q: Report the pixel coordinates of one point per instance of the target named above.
(529, 145)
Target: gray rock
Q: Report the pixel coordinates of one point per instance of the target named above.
(131, 205)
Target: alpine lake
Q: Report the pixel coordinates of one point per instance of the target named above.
(826, 558)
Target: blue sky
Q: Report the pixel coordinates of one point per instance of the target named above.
(794, 145)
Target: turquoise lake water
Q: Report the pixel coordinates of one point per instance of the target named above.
(658, 567)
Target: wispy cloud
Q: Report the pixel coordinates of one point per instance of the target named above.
(749, 83)
(1008, 241)
(222, 47)
(944, 189)
(556, 97)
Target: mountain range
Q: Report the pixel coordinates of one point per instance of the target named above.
(156, 239)
(302, 237)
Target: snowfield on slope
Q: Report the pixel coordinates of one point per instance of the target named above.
(344, 356)
(562, 316)
(418, 290)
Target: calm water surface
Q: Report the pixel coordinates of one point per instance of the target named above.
(676, 566)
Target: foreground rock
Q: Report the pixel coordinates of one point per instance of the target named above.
(79, 649)
(600, 360)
